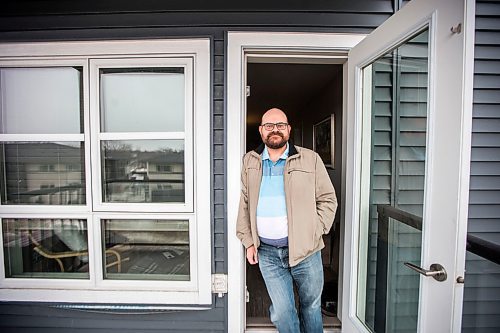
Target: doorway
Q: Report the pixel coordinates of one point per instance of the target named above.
(274, 47)
(310, 93)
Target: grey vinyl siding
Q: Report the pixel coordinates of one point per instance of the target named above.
(59, 19)
(481, 307)
(40, 318)
(56, 20)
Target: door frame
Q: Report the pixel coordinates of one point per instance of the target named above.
(270, 44)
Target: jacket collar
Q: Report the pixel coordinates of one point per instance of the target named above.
(292, 150)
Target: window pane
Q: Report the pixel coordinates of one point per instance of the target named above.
(146, 250)
(143, 171)
(395, 100)
(45, 248)
(142, 100)
(46, 173)
(50, 98)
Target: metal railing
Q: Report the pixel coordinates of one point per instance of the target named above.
(384, 213)
(481, 247)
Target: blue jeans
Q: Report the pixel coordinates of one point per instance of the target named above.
(279, 278)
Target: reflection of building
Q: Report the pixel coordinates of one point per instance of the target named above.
(50, 173)
(138, 176)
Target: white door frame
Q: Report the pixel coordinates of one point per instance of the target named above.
(314, 45)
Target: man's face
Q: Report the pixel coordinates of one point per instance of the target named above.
(275, 138)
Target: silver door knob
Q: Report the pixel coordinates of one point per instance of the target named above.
(436, 271)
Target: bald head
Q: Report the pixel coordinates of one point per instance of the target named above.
(274, 115)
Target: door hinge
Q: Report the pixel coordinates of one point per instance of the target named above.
(247, 295)
(248, 91)
(219, 284)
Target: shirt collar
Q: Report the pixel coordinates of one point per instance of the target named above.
(265, 153)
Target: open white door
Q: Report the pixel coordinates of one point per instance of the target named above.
(408, 148)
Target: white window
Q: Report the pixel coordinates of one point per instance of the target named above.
(105, 177)
(144, 119)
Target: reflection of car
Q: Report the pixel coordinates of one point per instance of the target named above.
(138, 174)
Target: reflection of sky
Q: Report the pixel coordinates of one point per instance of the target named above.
(142, 102)
(40, 100)
(145, 145)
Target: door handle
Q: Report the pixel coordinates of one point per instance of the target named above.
(436, 271)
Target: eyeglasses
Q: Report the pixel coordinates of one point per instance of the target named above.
(270, 126)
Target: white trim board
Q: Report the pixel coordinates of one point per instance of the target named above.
(286, 45)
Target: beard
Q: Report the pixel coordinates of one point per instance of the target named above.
(275, 144)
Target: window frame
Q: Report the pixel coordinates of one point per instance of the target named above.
(95, 290)
(81, 137)
(45, 283)
(98, 136)
(189, 285)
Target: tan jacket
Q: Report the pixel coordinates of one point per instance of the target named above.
(310, 201)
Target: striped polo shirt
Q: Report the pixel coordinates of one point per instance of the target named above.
(272, 221)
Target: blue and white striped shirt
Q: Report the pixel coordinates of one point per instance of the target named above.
(272, 221)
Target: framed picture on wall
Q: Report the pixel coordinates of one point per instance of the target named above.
(324, 140)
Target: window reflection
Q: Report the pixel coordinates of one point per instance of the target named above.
(148, 249)
(49, 97)
(46, 173)
(142, 100)
(397, 108)
(143, 171)
(45, 248)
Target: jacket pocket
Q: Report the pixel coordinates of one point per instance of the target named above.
(318, 231)
(302, 184)
(295, 169)
(302, 178)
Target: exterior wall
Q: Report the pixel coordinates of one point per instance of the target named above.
(481, 311)
(56, 20)
(79, 20)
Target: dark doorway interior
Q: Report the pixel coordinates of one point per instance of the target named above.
(309, 94)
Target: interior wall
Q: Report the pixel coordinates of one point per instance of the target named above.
(326, 102)
(287, 86)
(308, 94)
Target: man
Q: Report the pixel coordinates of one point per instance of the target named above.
(287, 203)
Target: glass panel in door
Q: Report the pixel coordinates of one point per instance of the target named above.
(394, 136)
